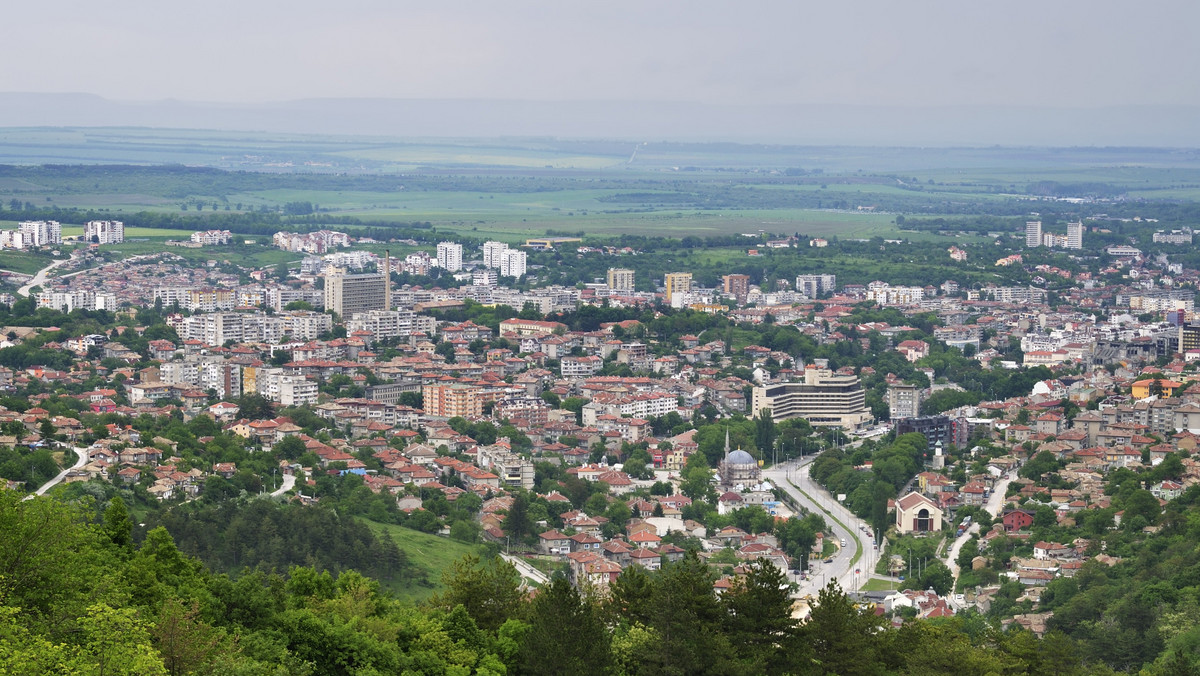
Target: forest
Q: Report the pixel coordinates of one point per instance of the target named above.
(79, 595)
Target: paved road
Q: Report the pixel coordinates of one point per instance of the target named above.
(82, 453)
(289, 480)
(527, 571)
(840, 569)
(40, 277)
(994, 504)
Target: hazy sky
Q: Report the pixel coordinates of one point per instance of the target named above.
(1044, 53)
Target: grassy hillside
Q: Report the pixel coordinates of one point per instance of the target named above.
(431, 554)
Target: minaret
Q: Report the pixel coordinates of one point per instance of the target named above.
(387, 279)
(726, 443)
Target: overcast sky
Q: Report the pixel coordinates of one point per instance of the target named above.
(1045, 53)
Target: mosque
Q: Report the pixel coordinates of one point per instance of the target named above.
(737, 467)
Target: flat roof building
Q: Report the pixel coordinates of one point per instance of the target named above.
(823, 398)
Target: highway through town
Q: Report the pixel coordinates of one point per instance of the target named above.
(851, 566)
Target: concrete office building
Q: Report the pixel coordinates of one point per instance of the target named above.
(823, 398)
(348, 295)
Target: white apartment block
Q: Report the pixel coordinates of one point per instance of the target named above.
(1033, 234)
(204, 372)
(104, 232)
(210, 300)
(580, 367)
(641, 405)
(346, 260)
(1075, 235)
(885, 294)
(32, 234)
(491, 253)
(1183, 236)
(218, 328)
(171, 295)
(814, 285)
(419, 263)
(449, 256)
(1015, 294)
(1052, 240)
(383, 323)
(66, 301)
(485, 277)
(311, 242)
(304, 324)
(513, 263)
(212, 237)
(286, 388)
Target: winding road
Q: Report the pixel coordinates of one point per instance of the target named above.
(82, 453)
(994, 504)
(527, 571)
(41, 276)
(289, 480)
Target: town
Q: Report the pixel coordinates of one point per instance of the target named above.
(587, 428)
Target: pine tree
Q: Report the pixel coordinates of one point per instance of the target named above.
(566, 634)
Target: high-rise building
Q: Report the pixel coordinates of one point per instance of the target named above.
(675, 283)
(104, 232)
(1033, 233)
(815, 285)
(737, 286)
(492, 252)
(40, 233)
(620, 279)
(449, 256)
(1075, 235)
(904, 401)
(350, 294)
(448, 400)
(512, 263)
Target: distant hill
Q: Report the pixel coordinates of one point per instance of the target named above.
(1132, 125)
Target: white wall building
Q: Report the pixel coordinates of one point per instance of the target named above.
(1075, 235)
(512, 263)
(1033, 233)
(104, 232)
(449, 256)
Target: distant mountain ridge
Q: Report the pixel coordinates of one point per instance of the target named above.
(1132, 125)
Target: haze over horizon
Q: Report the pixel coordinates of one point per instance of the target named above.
(1063, 73)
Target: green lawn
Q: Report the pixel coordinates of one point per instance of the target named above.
(249, 256)
(26, 262)
(877, 584)
(430, 553)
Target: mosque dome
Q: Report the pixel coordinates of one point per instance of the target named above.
(740, 457)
